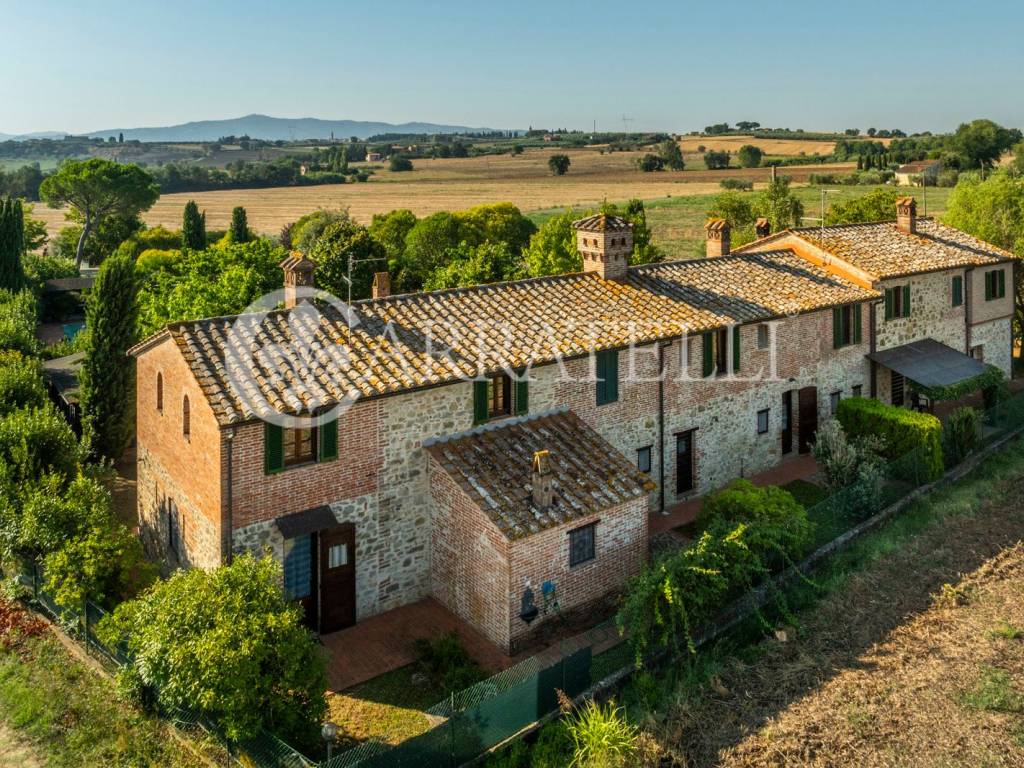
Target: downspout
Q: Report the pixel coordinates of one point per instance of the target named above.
(227, 520)
(872, 347)
(968, 304)
(661, 428)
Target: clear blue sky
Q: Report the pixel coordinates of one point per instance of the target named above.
(672, 65)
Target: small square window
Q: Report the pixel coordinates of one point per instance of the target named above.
(833, 402)
(337, 555)
(762, 336)
(581, 545)
(643, 459)
(857, 390)
(762, 421)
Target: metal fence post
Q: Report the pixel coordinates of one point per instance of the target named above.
(85, 614)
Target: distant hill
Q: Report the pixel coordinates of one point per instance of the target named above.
(274, 128)
(36, 135)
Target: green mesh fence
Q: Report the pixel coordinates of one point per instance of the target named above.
(476, 719)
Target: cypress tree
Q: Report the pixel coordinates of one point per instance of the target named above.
(12, 244)
(107, 379)
(193, 228)
(239, 225)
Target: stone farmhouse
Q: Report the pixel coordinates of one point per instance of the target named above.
(504, 446)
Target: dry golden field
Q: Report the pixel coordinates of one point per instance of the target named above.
(452, 184)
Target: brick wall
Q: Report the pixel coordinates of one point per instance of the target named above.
(176, 472)
(982, 310)
(620, 546)
(469, 567)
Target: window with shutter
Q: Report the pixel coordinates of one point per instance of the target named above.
(273, 448)
(889, 292)
(857, 317)
(329, 441)
(736, 349)
(837, 327)
(481, 389)
(607, 365)
(958, 291)
(523, 393)
(905, 309)
(1001, 284)
(708, 366)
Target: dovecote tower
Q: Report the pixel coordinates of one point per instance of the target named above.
(605, 242)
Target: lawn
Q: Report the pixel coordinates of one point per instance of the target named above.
(66, 713)
(388, 708)
(906, 649)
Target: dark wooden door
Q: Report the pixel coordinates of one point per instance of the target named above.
(808, 404)
(337, 578)
(787, 422)
(684, 462)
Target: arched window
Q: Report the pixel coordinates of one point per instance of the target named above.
(186, 419)
(160, 392)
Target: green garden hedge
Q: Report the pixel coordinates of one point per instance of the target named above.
(901, 430)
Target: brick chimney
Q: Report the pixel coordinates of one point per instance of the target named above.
(541, 480)
(718, 233)
(381, 285)
(762, 227)
(605, 242)
(298, 273)
(906, 215)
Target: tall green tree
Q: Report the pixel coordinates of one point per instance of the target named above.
(193, 227)
(749, 156)
(877, 205)
(96, 189)
(779, 205)
(107, 380)
(239, 225)
(671, 154)
(12, 244)
(341, 243)
(982, 142)
(559, 164)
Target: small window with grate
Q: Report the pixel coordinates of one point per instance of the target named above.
(581, 545)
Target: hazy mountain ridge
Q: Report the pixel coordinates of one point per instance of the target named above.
(274, 128)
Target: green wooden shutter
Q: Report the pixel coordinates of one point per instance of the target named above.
(736, 349)
(480, 408)
(329, 440)
(837, 327)
(958, 291)
(856, 324)
(611, 369)
(1001, 277)
(709, 353)
(523, 393)
(906, 300)
(888, 303)
(273, 448)
(988, 286)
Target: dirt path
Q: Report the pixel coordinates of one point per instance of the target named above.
(915, 661)
(15, 753)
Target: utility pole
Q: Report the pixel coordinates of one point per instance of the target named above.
(625, 123)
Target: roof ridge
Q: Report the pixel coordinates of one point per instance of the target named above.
(473, 288)
(492, 426)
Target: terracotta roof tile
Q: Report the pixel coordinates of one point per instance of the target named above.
(882, 250)
(602, 222)
(493, 464)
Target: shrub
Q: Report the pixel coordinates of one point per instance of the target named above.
(843, 460)
(748, 528)
(446, 663)
(601, 736)
(716, 160)
(18, 321)
(227, 643)
(399, 163)
(960, 434)
(559, 164)
(750, 156)
(21, 382)
(737, 184)
(35, 441)
(901, 431)
(649, 163)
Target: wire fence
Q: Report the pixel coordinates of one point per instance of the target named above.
(472, 721)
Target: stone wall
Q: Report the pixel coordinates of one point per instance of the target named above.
(932, 314)
(996, 341)
(983, 310)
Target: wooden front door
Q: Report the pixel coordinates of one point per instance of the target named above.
(808, 398)
(337, 578)
(684, 462)
(787, 422)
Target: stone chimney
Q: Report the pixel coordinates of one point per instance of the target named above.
(906, 215)
(762, 227)
(541, 480)
(718, 233)
(381, 285)
(605, 242)
(298, 273)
